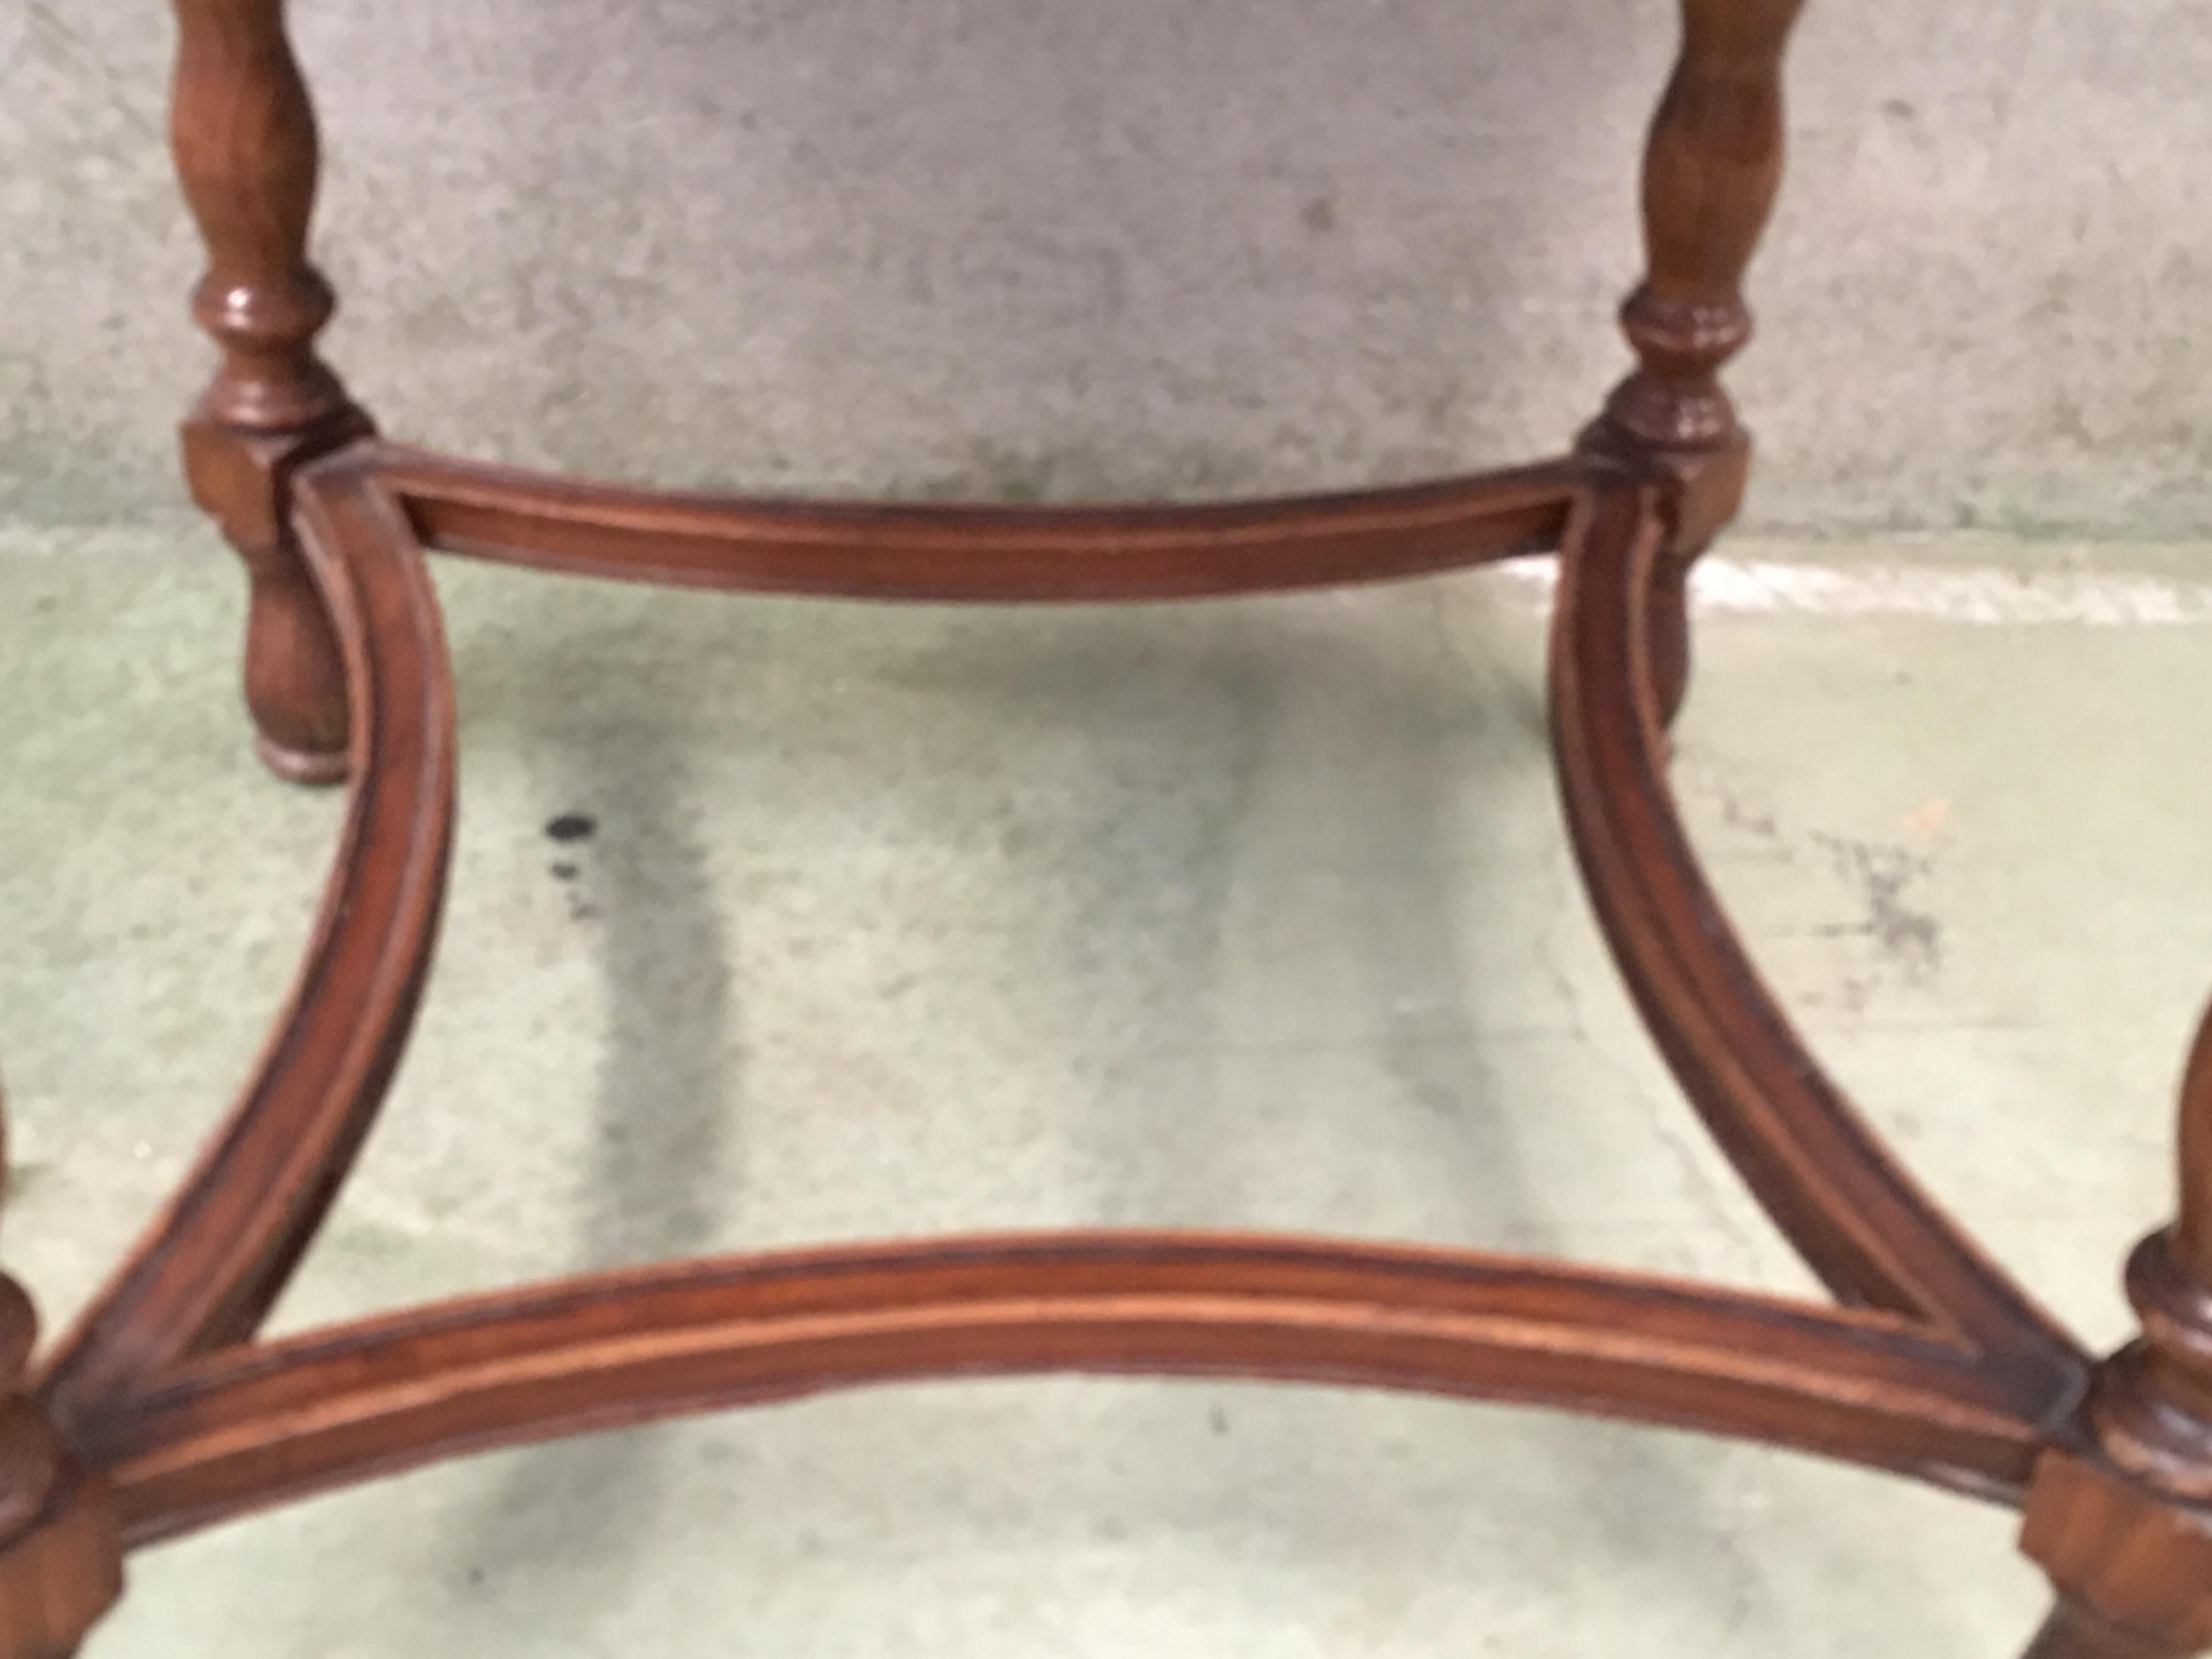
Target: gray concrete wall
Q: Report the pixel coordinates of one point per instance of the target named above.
(1023, 248)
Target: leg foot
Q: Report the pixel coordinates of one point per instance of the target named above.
(301, 765)
(294, 678)
(295, 683)
(2131, 1559)
(2074, 1631)
(2120, 1516)
(60, 1558)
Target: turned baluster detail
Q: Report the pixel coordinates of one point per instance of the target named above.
(242, 131)
(2123, 1521)
(1712, 167)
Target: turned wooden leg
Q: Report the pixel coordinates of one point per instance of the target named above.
(1710, 170)
(2122, 1519)
(243, 134)
(61, 1561)
(2075, 1631)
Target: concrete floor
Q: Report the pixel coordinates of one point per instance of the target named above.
(1234, 914)
(1253, 913)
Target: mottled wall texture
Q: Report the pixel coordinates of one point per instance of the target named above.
(1044, 249)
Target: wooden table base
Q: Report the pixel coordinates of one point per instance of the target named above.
(160, 1412)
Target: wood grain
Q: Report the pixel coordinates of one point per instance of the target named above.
(1852, 1211)
(205, 1274)
(2120, 1512)
(236, 1431)
(977, 552)
(242, 135)
(1712, 164)
(159, 1411)
(61, 1555)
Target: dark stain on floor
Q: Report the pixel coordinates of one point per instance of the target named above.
(1910, 938)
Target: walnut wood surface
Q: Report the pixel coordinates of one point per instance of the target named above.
(242, 134)
(160, 1412)
(2121, 1517)
(1854, 1214)
(61, 1558)
(2074, 1631)
(974, 552)
(207, 1269)
(1711, 166)
(239, 1430)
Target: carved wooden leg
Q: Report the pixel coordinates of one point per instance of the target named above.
(1710, 170)
(2122, 1521)
(243, 134)
(2074, 1631)
(60, 1560)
